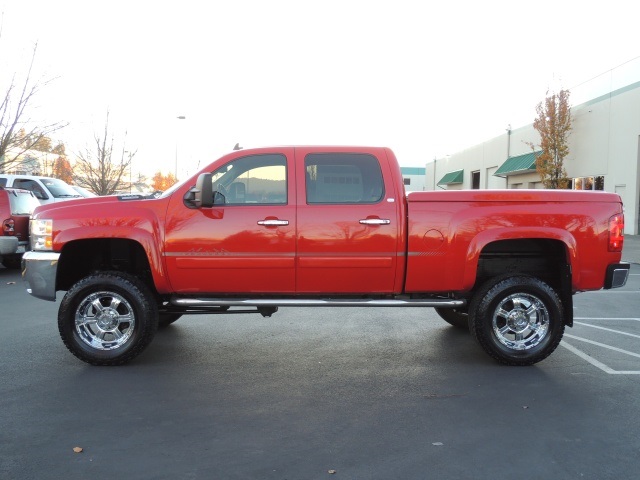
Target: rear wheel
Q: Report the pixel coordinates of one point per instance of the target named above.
(517, 319)
(455, 317)
(108, 318)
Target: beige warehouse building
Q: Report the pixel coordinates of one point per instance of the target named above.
(604, 147)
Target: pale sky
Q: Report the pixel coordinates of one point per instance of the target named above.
(424, 78)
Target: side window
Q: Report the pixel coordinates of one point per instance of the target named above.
(32, 185)
(3, 182)
(345, 178)
(256, 179)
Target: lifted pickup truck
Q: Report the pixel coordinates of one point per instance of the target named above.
(322, 226)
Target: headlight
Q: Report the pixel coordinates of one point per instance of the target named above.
(41, 234)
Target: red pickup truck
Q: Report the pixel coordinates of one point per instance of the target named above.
(322, 226)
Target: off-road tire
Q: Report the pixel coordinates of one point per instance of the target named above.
(510, 304)
(104, 302)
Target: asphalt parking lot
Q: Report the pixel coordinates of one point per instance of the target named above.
(349, 393)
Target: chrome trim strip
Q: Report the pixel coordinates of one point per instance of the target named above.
(225, 253)
(303, 302)
(39, 274)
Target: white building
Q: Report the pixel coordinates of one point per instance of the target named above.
(414, 178)
(604, 150)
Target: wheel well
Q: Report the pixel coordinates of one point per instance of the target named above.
(83, 257)
(542, 258)
(539, 257)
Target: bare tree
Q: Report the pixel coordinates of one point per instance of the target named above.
(18, 133)
(95, 168)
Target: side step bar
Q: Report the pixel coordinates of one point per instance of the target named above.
(305, 302)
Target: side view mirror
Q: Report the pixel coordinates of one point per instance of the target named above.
(200, 195)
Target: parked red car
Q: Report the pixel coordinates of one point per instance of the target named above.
(16, 207)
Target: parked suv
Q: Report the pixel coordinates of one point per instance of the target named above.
(46, 189)
(16, 207)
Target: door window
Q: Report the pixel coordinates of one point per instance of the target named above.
(343, 178)
(256, 179)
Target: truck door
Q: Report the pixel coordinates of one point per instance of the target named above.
(348, 225)
(245, 243)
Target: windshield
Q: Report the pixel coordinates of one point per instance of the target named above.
(58, 188)
(22, 202)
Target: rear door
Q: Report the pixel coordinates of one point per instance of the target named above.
(348, 225)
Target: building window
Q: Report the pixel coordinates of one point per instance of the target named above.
(588, 183)
(407, 181)
(475, 180)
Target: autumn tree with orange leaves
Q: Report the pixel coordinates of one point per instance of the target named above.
(162, 182)
(553, 123)
(62, 170)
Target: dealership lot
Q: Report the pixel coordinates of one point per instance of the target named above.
(367, 393)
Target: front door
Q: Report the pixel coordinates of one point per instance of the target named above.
(245, 243)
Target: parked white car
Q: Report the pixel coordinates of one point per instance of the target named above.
(45, 189)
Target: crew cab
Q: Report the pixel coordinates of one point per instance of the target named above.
(322, 226)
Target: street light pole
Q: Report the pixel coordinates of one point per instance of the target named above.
(179, 117)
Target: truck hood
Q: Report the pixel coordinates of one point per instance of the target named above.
(99, 202)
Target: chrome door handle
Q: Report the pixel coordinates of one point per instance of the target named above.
(273, 223)
(375, 221)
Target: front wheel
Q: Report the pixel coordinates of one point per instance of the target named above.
(108, 318)
(517, 319)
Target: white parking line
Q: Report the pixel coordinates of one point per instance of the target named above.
(610, 318)
(608, 347)
(596, 363)
(607, 329)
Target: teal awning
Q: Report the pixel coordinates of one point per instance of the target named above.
(516, 165)
(452, 178)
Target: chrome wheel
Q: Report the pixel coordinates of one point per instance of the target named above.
(108, 318)
(105, 320)
(520, 321)
(517, 319)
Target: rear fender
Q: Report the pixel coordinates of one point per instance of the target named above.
(482, 239)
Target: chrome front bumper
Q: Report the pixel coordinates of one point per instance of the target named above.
(39, 274)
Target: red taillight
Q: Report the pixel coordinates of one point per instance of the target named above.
(616, 233)
(8, 227)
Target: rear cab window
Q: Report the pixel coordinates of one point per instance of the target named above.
(343, 178)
